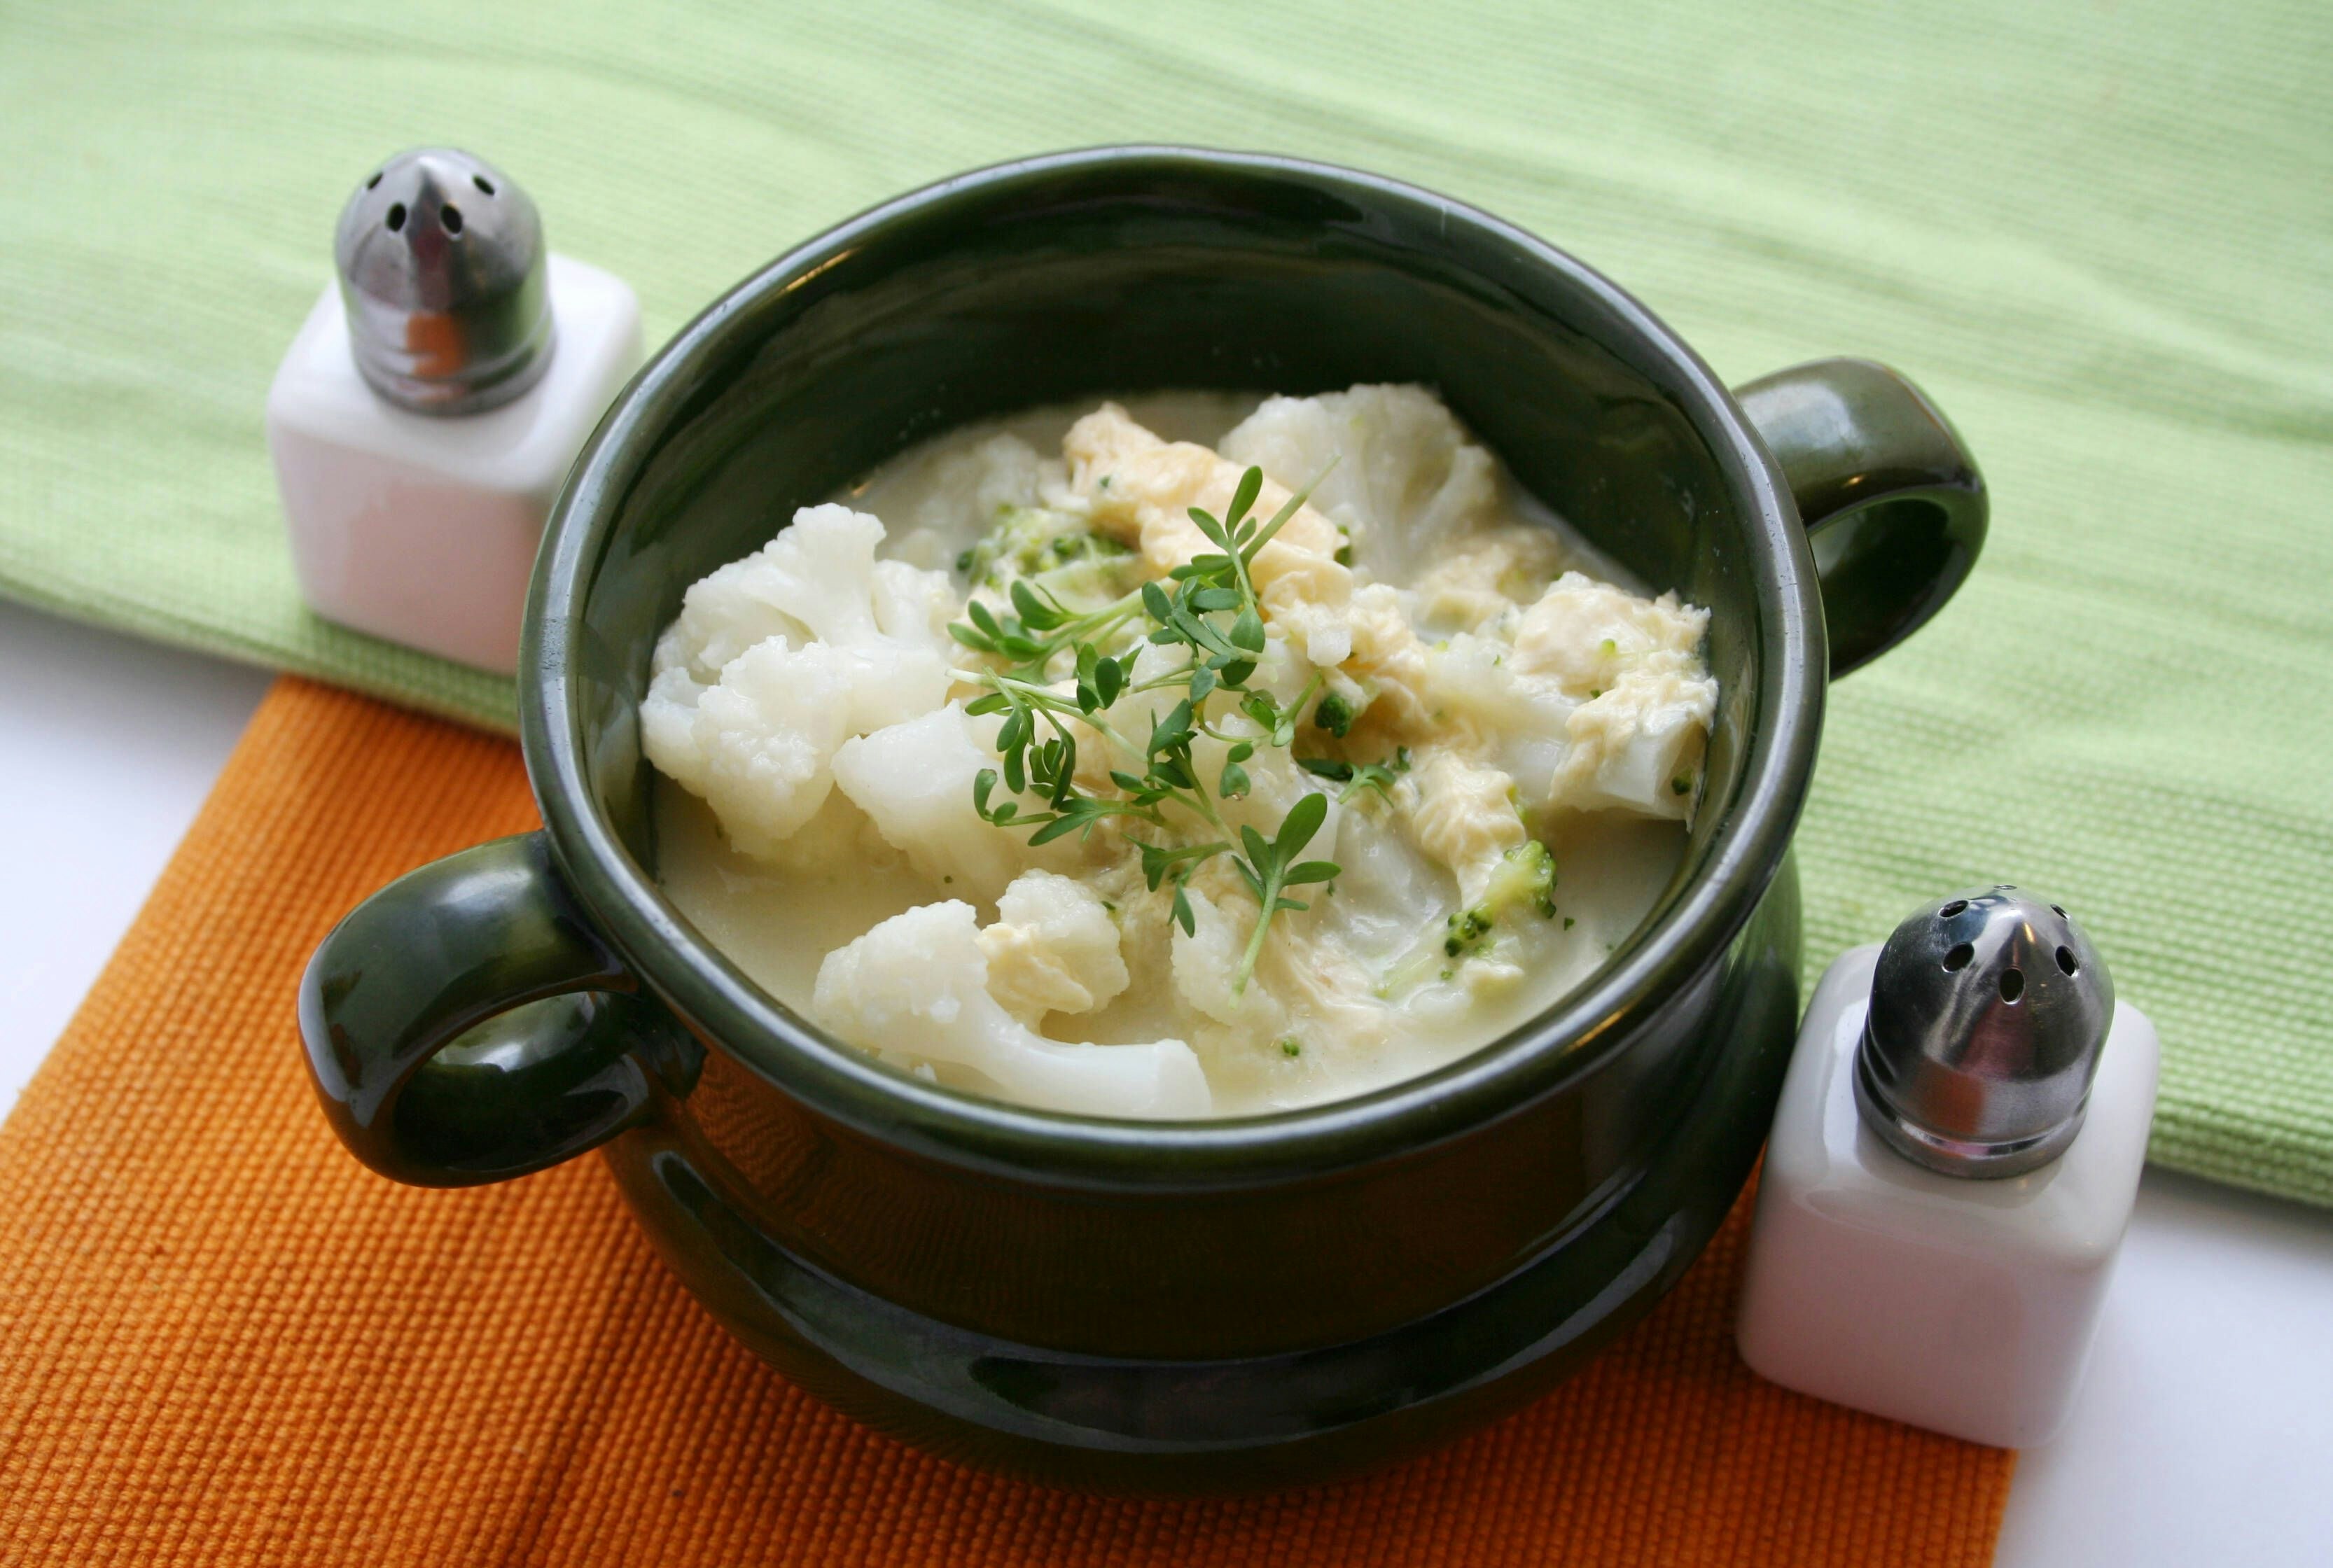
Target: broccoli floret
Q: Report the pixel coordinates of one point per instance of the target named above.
(1054, 549)
(1524, 878)
(1072, 548)
(1522, 881)
(1013, 545)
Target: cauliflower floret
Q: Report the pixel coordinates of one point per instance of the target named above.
(1205, 959)
(1054, 948)
(818, 580)
(1635, 743)
(756, 748)
(917, 984)
(913, 780)
(1638, 746)
(1583, 634)
(776, 659)
(1141, 489)
(913, 606)
(720, 618)
(1405, 482)
(1510, 719)
(1463, 815)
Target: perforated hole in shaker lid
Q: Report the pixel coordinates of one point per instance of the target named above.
(2012, 984)
(1952, 909)
(482, 183)
(1958, 957)
(396, 219)
(2066, 961)
(451, 216)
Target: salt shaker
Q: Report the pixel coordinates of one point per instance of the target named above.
(1952, 1168)
(427, 411)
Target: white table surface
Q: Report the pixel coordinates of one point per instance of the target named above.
(2204, 1434)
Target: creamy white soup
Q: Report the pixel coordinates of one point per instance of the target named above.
(1198, 756)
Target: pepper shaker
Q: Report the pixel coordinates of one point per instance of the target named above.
(431, 406)
(1953, 1165)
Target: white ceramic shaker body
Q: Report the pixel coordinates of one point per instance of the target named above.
(1966, 1306)
(422, 528)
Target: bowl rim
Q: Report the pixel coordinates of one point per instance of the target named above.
(1576, 1037)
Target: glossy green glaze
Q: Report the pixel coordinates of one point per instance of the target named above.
(1892, 500)
(486, 949)
(1141, 1307)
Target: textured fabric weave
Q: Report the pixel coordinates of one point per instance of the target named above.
(224, 1341)
(2101, 234)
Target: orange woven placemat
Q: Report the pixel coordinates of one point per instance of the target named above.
(222, 1341)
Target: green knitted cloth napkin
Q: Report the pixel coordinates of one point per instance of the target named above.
(2100, 235)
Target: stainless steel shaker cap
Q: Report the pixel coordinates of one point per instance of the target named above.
(1989, 1010)
(445, 278)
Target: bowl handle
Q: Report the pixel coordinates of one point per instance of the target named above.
(465, 1023)
(1893, 502)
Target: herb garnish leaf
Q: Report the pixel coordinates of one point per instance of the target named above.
(1214, 612)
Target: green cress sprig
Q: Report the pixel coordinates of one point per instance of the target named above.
(1356, 777)
(1213, 612)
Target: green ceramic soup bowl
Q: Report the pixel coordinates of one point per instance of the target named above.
(1141, 1307)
